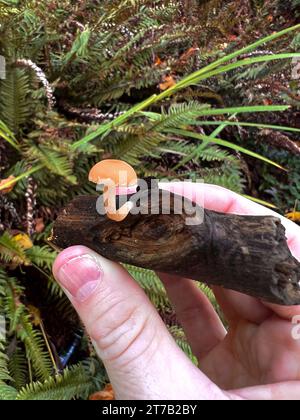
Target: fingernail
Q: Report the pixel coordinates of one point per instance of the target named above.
(80, 276)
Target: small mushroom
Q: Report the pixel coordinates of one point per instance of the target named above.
(117, 177)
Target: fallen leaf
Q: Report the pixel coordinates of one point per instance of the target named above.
(232, 38)
(35, 314)
(39, 225)
(158, 62)
(168, 82)
(189, 53)
(23, 240)
(294, 216)
(106, 394)
(8, 189)
(267, 102)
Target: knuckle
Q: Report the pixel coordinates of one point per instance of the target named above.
(118, 328)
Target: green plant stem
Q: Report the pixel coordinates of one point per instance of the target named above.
(224, 143)
(22, 176)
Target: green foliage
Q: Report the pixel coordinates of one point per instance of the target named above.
(18, 368)
(35, 347)
(87, 81)
(4, 372)
(11, 250)
(53, 160)
(283, 190)
(15, 107)
(73, 383)
(152, 285)
(42, 256)
(7, 393)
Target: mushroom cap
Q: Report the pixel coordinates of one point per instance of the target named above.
(121, 173)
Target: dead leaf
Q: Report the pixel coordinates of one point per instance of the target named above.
(39, 225)
(267, 102)
(189, 53)
(35, 314)
(106, 394)
(8, 189)
(294, 216)
(232, 38)
(168, 82)
(157, 62)
(23, 240)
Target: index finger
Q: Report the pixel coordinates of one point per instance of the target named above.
(220, 199)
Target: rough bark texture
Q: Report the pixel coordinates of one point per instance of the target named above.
(248, 254)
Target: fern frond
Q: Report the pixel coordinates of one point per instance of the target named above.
(18, 368)
(73, 383)
(131, 143)
(21, 325)
(177, 115)
(4, 371)
(227, 175)
(11, 250)
(35, 347)
(80, 46)
(55, 161)
(152, 285)
(42, 256)
(214, 154)
(7, 392)
(15, 106)
(180, 338)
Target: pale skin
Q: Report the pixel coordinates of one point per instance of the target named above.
(257, 359)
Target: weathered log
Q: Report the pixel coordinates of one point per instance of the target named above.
(248, 254)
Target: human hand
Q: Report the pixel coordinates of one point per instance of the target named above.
(257, 359)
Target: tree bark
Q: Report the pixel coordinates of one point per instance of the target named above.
(248, 254)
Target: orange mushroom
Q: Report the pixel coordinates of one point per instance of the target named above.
(119, 178)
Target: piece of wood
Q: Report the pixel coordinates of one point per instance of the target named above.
(248, 254)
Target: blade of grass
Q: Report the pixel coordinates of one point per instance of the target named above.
(224, 143)
(8, 136)
(243, 63)
(258, 201)
(200, 148)
(221, 111)
(245, 124)
(22, 176)
(116, 122)
(244, 110)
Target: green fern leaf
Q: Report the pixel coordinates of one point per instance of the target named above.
(180, 338)
(18, 368)
(42, 256)
(152, 285)
(35, 347)
(7, 392)
(73, 383)
(178, 115)
(56, 162)
(15, 106)
(11, 250)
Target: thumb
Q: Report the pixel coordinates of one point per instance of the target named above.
(141, 358)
